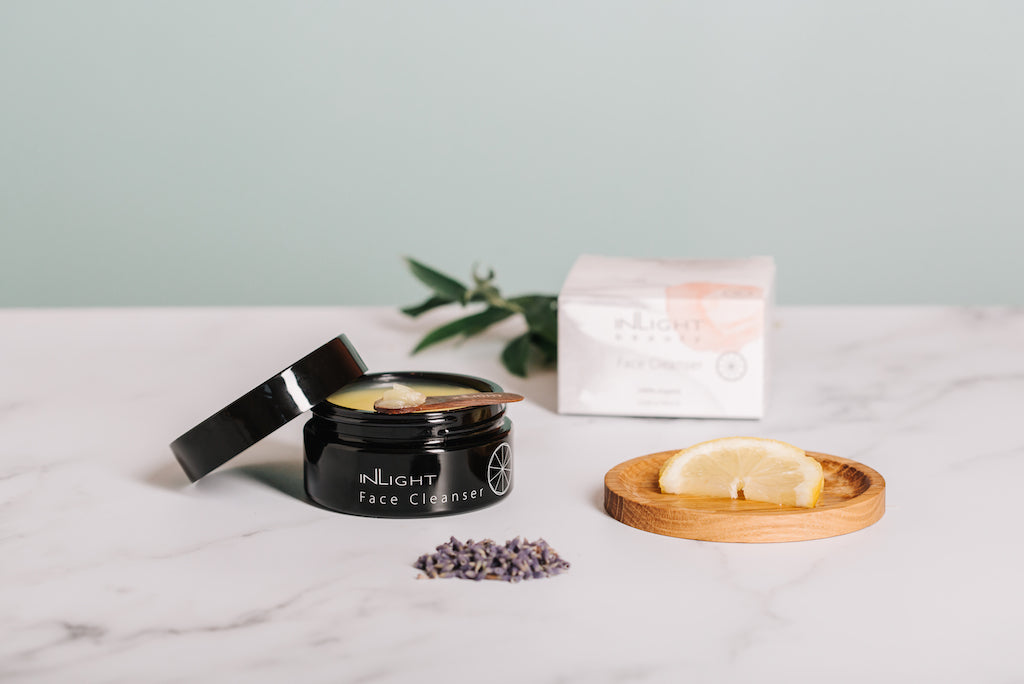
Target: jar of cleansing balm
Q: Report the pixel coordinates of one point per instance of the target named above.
(407, 465)
(356, 460)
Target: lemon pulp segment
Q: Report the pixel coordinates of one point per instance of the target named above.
(764, 470)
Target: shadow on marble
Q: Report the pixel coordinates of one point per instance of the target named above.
(284, 476)
(276, 466)
(168, 476)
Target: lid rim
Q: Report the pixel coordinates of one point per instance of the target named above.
(267, 407)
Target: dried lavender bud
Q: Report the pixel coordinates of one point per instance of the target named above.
(514, 561)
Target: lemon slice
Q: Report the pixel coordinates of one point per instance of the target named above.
(763, 469)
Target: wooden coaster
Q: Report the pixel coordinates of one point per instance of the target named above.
(853, 498)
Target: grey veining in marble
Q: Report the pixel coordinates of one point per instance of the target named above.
(113, 568)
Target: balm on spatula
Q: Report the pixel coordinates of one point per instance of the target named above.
(402, 399)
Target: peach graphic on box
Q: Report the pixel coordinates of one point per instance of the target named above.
(716, 316)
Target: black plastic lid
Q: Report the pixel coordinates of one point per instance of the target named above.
(268, 407)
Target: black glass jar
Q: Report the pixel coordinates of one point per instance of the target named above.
(413, 464)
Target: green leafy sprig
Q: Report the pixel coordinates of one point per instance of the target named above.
(539, 311)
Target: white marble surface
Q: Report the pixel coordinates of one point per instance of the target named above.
(114, 569)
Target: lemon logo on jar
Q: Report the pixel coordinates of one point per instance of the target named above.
(499, 469)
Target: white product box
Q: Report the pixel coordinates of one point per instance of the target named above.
(665, 337)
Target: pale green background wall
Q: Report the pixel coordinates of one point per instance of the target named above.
(258, 152)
